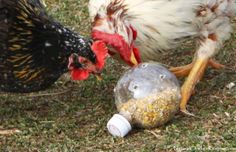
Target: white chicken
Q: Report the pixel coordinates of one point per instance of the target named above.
(144, 29)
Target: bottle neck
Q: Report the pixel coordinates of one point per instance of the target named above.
(127, 115)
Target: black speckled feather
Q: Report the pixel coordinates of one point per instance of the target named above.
(34, 49)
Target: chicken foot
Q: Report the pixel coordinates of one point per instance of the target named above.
(195, 70)
(194, 76)
(184, 71)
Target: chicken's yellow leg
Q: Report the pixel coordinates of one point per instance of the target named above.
(196, 73)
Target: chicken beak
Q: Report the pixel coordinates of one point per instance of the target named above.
(133, 60)
(98, 76)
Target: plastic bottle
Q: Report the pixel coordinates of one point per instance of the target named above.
(146, 96)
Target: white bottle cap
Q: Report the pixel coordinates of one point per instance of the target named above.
(118, 126)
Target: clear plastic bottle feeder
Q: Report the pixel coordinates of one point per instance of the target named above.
(146, 96)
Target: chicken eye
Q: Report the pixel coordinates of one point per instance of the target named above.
(84, 63)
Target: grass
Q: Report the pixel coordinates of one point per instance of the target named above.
(74, 119)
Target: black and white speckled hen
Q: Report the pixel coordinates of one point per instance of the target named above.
(35, 50)
(145, 29)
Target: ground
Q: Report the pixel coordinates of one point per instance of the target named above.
(72, 116)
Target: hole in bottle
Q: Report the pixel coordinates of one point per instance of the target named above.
(144, 65)
(162, 76)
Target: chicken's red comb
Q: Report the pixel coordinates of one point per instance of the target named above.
(100, 50)
(118, 42)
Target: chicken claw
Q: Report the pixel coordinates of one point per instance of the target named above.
(184, 71)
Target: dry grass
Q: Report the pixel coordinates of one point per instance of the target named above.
(74, 119)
